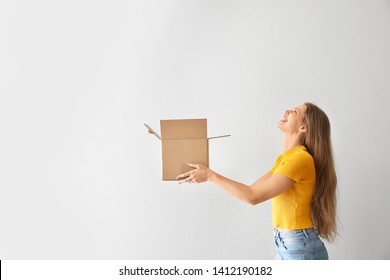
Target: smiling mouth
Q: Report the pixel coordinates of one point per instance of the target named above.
(283, 119)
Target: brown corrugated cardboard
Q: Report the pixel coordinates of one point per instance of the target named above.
(184, 129)
(182, 141)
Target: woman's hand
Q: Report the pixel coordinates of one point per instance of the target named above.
(198, 175)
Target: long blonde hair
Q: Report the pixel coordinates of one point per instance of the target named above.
(318, 143)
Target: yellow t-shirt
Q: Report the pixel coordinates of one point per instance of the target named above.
(292, 209)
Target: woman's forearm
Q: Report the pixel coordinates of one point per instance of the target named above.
(236, 189)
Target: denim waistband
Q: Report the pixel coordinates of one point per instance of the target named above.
(307, 232)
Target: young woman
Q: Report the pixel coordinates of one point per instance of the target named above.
(301, 184)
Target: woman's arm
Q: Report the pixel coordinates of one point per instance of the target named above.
(262, 189)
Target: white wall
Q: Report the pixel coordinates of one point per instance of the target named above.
(79, 174)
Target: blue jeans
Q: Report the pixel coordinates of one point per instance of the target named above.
(301, 244)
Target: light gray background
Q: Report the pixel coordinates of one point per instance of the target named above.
(79, 174)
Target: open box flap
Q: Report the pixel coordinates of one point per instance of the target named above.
(221, 136)
(151, 131)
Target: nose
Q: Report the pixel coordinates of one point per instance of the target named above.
(287, 112)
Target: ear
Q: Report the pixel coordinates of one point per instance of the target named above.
(303, 129)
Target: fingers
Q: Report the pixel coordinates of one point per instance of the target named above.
(189, 179)
(190, 175)
(187, 174)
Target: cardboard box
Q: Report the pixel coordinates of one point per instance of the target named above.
(183, 141)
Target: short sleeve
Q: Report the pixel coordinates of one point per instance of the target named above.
(294, 168)
(276, 164)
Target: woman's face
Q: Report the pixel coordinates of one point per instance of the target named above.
(292, 120)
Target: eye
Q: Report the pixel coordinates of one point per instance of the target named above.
(295, 111)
